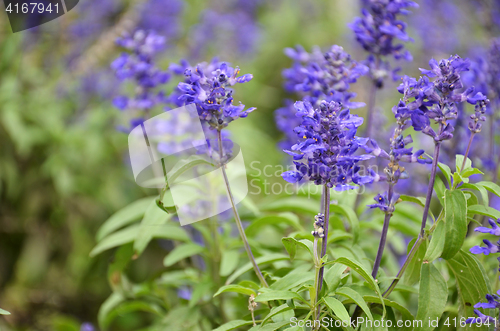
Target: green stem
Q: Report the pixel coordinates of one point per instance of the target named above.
(237, 216)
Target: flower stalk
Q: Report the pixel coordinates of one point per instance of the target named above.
(430, 189)
(237, 216)
(385, 229)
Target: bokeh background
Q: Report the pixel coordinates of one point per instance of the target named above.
(64, 164)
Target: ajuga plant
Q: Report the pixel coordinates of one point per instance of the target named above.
(378, 30)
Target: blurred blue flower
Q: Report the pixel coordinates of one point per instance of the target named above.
(87, 327)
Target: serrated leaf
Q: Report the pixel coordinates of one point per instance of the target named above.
(432, 296)
(235, 289)
(269, 258)
(357, 298)
(436, 245)
(351, 217)
(233, 325)
(181, 252)
(116, 239)
(455, 219)
(405, 313)
(125, 216)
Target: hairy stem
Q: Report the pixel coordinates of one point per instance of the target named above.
(467, 151)
(385, 228)
(237, 216)
(430, 189)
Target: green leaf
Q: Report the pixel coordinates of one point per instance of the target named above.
(293, 204)
(436, 245)
(183, 166)
(270, 295)
(472, 171)
(405, 313)
(418, 201)
(269, 258)
(291, 246)
(481, 189)
(455, 218)
(275, 311)
(432, 296)
(472, 284)
(118, 238)
(446, 172)
(351, 217)
(293, 279)
(181, 252)
(154, 218)
(334, 275)
(235, 289)
(460, 160)
(233, 325)
(483, 210)
(357, 267)
(123, 217)
(106, 308)
(412, 274)
(492, 187)
(4, 312)
(337, 307)
(439, 187)
(270, 326)
(283, 218)
(229, 262)
(357, 298)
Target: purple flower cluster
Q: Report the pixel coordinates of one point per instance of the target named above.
(231, 29)
(493, 300)
(378, 30)
(326, 151)
(314, 77)
(320, 76)
(208, 86)
(138, 66)
(162, 17)
(437, 99)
